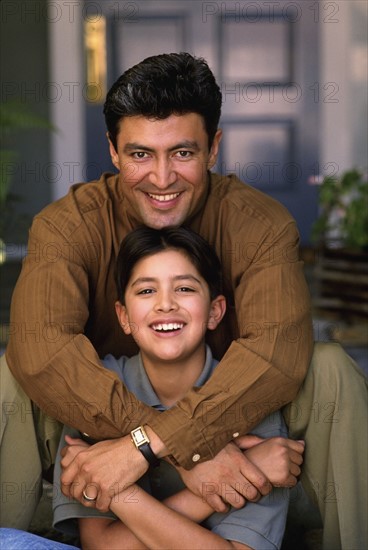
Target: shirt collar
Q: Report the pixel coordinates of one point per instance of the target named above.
(141, 385)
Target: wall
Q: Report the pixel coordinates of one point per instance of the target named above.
(343, 71)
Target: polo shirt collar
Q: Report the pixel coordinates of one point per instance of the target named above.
(143, 387)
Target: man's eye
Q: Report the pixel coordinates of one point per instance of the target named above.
(139, 155)
(184, 154)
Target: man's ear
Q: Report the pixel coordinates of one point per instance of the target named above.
(113, 154)
(217, 311)
(123, 318)
(212, 158)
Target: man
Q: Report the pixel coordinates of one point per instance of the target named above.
(162, 119)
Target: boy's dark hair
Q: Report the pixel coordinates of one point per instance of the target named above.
(145, 241)
(162, 85)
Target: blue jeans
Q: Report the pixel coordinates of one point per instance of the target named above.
(14, 539)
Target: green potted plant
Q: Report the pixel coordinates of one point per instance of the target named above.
(343, 219)
(341, 236)
(15, 115)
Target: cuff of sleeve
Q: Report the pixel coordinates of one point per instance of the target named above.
(185, 442)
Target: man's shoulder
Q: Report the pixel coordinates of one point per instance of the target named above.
(236, 197)
(81, 201)
(85, 196)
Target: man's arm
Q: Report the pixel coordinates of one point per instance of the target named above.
(49, 352)
(59, 368)
(267, 362)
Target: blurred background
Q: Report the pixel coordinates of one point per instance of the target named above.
(294, 80)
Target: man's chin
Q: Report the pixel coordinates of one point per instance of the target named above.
(159, 222)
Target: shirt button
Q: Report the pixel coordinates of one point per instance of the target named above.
(196, 457)
(236, 434)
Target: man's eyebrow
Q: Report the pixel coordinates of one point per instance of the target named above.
(186, 144)
(133, 146)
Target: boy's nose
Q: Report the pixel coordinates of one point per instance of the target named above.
(166, 302)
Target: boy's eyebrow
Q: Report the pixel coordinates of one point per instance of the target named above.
(184, 277)
(186, 144)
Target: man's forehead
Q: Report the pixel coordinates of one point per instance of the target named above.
(186, 124)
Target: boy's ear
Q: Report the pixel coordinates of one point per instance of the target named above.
(113, 154)
(122, 315)
(217, 311)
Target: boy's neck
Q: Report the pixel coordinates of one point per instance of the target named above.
(172, 381)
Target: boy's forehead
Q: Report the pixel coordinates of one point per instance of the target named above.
(171, 262)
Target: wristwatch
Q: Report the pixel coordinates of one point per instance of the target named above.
(142, 443)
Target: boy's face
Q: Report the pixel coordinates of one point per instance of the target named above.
(168, 308)
(163, 166)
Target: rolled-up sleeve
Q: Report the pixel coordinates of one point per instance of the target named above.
(49, 352)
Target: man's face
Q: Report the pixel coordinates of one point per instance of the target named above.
(163, 166)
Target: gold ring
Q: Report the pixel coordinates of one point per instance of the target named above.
(89, 499)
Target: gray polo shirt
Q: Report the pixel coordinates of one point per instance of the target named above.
(260, 525)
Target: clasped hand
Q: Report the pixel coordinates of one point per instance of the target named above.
(245, 470)
(102, 470)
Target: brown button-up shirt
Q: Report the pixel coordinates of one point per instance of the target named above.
(63, 318)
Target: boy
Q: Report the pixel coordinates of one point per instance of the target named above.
(169, 290)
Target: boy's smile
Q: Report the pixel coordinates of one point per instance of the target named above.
(168, 310)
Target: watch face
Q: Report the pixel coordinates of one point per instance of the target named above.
(139, 436)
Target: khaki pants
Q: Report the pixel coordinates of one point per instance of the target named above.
(329, 413)
(28, 445)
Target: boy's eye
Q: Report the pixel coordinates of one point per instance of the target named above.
(139, 155)
(145, 291)
(185, 289)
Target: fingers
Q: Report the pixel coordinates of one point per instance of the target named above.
(75, 441)
(82, 487)
(297, 446)
(247, 441)
(257, 484)
(221, 496)
(216, 502)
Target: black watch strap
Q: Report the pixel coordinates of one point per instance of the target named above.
(149, 455)
(142, 443)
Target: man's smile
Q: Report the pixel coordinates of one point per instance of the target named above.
(164, 198)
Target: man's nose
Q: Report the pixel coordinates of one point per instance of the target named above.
(162, 174)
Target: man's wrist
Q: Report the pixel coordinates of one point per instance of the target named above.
(157, 445)
(142, 442)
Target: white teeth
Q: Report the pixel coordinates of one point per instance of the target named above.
(167, 326)
(164, 198)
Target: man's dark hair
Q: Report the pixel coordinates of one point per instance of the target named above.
(145, 241)
(162, 85)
